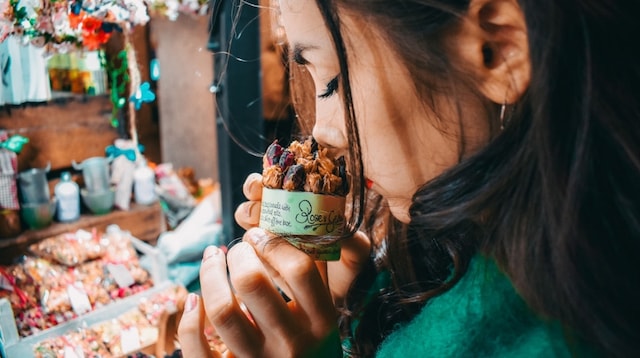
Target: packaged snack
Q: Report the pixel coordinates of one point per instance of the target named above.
(122, 258)
(17, 287)
(71, 248)
(80, 343)
(127, 333)
(165, 301)
(35, 320)
(304, 197)
(51, 282)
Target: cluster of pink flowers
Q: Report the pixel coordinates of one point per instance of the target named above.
(65, 25)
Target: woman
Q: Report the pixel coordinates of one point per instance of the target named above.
(504, 138)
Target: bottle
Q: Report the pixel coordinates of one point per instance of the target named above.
(144, 182)
(67, 194)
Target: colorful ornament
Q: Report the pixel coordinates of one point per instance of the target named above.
(14, 143)
(113, 152)
(143, 95)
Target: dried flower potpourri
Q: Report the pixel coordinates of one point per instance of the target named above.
(303, 198)
(304, 166)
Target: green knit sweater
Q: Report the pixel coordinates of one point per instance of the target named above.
(481, 316)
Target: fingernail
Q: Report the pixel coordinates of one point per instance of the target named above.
(257, 236)
(247, 209)
(252, 185)
(210, 251)
(191, 303)
(254, 180)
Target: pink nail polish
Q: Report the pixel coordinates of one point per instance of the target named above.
(191, 302)
(210, 251)
(257, 236)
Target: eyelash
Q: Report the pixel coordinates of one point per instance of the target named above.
(332, 87)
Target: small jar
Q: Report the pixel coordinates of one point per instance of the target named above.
(144, 183)
(67, 194)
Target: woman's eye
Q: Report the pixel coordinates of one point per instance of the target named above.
(332, 87)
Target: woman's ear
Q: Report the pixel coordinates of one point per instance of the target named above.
(492, 41)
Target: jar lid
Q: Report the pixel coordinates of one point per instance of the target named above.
(65, 176)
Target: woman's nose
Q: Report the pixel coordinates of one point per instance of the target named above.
(328, 136)
(329, 128)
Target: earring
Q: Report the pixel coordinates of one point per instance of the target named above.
(503, 109)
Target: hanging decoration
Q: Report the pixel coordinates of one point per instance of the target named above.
(14, 143)
(117, 70)
(142, 95)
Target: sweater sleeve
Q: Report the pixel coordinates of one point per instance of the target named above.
(481, 316)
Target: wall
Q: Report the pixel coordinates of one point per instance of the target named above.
(186, 107)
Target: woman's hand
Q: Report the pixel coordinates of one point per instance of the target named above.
(273, 327)
(338, 274)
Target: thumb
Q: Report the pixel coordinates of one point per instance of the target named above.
(191, 330)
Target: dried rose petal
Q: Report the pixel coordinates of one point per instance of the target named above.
(296, 148)
(294, 178)
(325, 165)
(273, 153)
(272, 177)
(308, 164)
(331, 184)
(287, 159)
(313, 183)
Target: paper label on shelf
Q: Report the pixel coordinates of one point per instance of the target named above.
(79, 298)
(69, 352)
(5, 284)
(130, 340)
(121, 274)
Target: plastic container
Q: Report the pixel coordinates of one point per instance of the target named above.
(144, 184)
(68, 194)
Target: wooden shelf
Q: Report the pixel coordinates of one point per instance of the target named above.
(144, 222)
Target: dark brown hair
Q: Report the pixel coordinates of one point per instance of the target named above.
(555, 198)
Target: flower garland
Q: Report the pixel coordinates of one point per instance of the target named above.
(66, 25)
(173, 8)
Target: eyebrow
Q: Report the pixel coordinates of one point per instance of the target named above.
(298, 49)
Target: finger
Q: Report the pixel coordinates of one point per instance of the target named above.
(273, 274)
(191, 330)
(354, 254)
(255, 289)
(247, 214)
(305, 285)
(322, 269)
(252, 187)
(222, 308)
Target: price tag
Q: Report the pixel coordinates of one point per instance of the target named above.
(121, 275)
(130, 340)
(79, 298)
(69, 352)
